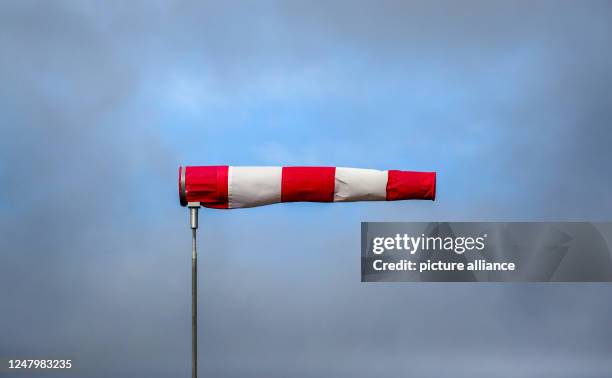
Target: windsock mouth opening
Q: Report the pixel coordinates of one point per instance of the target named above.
(181, 186)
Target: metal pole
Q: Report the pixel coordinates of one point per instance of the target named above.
(193, 217)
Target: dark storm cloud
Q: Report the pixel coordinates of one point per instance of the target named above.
(514, 97)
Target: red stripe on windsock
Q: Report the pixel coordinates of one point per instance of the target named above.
(207, 185)
(313, 184)
(402, 185)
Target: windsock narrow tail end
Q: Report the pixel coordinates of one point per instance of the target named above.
(405, 185)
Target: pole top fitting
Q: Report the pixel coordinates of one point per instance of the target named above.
(193, 214)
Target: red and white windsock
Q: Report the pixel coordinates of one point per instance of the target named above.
(227, 187)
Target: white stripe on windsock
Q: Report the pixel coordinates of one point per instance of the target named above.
(253, 186)
(356, 184)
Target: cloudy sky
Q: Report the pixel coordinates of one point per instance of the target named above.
(511, 102)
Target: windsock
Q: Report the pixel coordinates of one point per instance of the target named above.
(228, 187)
